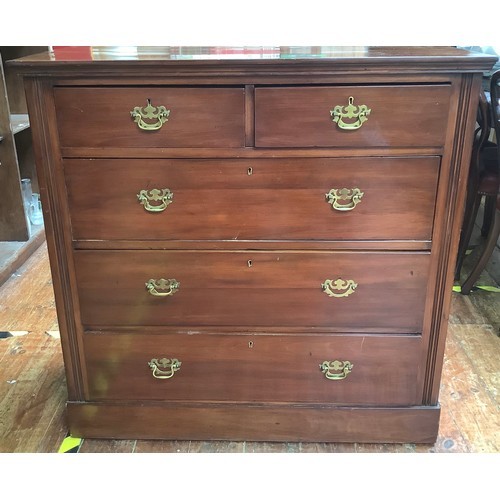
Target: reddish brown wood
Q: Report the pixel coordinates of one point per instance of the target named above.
(188, 62)
(250, 153)
(422, 102)
(199, 117)
(390, 245)
(56, 219)
(253, 289)
(317, 423)
(468, 421)
(254, 368)
(401, 116)
(249, 115)
(449, 215)
(253, 199)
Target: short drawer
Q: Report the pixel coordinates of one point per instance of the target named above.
(366, 116)
(260, 199)
(197, 117)
(359, 369)
(340, 290)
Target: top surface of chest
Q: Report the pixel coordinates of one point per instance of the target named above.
(236, 61)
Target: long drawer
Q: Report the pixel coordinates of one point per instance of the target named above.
(133, 117)
(341, 290)
(280, 368)
(277, 199)
(352, 116)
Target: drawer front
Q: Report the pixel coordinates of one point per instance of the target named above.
(197, 117)
(265, 368)
(253, 199)
(402, 116)
(375, 290)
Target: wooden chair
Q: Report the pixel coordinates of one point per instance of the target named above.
(484, 181)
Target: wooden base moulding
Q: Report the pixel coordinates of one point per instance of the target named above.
(236, 422)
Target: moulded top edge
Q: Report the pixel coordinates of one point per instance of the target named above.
(100, 60)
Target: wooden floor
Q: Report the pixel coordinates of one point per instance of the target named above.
(33, 394)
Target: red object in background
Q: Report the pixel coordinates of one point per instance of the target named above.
(68, 53)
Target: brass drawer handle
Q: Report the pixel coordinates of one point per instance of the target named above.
(171, 285)
(164, 196)
(347, 287)
(352, 196)
(158, 113)
(338, 113)
(164, 368)
(336, 370)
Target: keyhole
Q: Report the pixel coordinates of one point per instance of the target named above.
(250, 344)
(250, 171)
(249, 263)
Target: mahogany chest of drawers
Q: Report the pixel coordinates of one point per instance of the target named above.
(254, 248)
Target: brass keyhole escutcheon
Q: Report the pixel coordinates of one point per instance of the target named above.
(250, 344)
(250, 171)
(249, 263)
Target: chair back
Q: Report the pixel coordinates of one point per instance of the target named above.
(495, 108)
(495, 119)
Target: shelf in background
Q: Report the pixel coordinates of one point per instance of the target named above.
(13, 254)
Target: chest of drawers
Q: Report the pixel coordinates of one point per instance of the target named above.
(254, 249)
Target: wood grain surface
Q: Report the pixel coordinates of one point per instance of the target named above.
(400, 116)
(254, 368)
(199, 117)
(401, 296)
(273, 289)
(469, 390)
(253, 199)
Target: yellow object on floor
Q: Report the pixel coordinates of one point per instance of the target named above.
(70, 445)
(486, 288)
